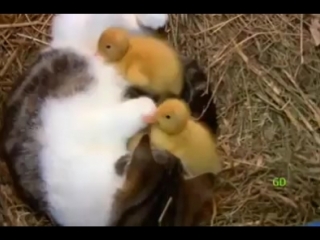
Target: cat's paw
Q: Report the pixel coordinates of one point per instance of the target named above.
(154, 21)
(146, 106)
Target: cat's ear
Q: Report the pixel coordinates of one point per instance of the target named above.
(143, 153)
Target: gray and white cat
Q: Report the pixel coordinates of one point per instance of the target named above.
(66, 124)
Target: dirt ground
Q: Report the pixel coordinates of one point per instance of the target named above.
(266, 75)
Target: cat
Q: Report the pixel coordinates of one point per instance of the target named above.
(66, 124)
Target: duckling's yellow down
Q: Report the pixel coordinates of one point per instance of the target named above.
(146, 61)
(189, 140)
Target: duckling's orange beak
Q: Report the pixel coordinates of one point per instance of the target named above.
(150, 119)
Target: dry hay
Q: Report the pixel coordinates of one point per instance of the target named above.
(265, 70)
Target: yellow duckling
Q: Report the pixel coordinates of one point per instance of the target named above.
(173, 129)
(146, 61)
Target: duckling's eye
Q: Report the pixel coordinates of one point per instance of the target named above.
(108, 46)
(168, 116)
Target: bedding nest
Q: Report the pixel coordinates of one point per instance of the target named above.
(265, 71)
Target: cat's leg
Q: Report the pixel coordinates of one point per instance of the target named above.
(154, 21)
(61, 25)
(132, 113)
(125, 119)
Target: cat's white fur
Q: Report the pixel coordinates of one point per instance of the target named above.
(83, 30)
(84, 135)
